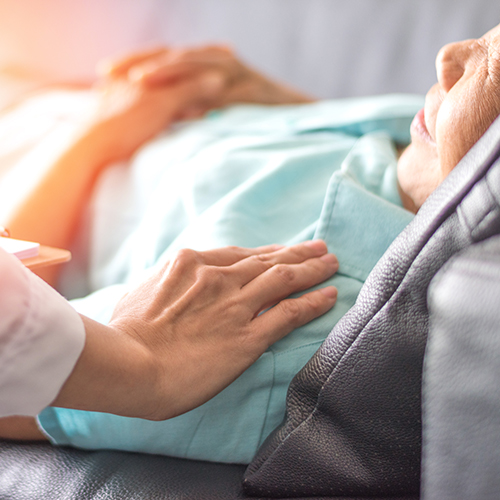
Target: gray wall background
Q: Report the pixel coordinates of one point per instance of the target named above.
(329, 48)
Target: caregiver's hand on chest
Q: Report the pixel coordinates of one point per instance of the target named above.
(193, 327)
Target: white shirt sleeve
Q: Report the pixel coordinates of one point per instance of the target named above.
(41, 338)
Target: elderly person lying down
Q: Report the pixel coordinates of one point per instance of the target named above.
(250, 175)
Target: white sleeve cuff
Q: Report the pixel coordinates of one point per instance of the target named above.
(41, 338)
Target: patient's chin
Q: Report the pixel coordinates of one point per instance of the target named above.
(419, 173)
(20, 429)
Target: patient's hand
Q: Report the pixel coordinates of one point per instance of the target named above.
(127, 113)
(231, 81)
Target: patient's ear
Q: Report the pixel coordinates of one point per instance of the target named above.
(20, 428)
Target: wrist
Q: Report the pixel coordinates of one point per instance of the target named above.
(114, 374)
(96, 144)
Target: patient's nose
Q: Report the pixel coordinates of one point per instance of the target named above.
(450, 63)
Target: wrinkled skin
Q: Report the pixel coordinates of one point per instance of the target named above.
(458, 110)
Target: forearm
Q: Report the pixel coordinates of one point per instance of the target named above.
(111, 375)
(49, 211)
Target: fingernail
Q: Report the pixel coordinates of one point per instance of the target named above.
(316, 244)
(330, 292)
(329, 258)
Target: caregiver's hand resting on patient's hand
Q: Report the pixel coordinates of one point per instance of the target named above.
(195, 326)
(221, 77)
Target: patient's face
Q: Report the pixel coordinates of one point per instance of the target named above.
(458, 110)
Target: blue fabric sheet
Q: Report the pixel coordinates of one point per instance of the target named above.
(248, 176)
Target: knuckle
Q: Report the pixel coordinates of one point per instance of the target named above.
(235, 249)
(313, 304)
(186, 254)
(292, 311)
(314, 266)
(186, 257)
(300, 253)
(212, 277)
(285, 273)
(263, 258)
(319, 269)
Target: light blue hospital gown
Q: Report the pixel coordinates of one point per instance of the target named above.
(248, 176)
